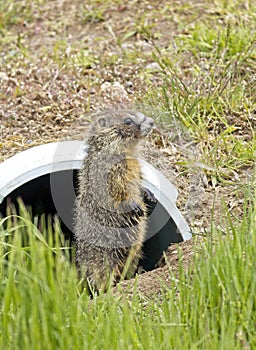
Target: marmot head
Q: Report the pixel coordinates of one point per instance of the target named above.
(120, 128)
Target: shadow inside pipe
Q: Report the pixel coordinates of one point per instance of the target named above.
(37, 195)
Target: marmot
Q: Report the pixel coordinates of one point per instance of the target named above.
(110, 214)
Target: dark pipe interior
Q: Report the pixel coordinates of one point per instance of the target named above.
(37, 194)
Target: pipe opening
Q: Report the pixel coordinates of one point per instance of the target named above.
(37, 195)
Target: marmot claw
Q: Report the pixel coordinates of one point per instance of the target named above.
(136, 209)
(148, 195)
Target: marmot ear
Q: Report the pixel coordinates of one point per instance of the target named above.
(102, 122)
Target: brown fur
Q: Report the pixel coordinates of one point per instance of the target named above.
(110, 220)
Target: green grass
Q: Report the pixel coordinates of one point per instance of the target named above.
(214, 97)
(212, 306)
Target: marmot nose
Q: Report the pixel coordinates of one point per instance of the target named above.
(147, 126)
(150, 123)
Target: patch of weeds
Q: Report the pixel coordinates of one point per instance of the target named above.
(83, 59)
(14, 54)
(12, 13)
(229, 264)
(225, 39)
(110, 59)
(214, 100)
(142, 28)
(225, 156)
(134, 56)
(67, 56)
(94, 13)
(234, 6)
(59, 51)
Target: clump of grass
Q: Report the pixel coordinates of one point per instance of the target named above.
(214, 99)
(210, 306)
(71, 58)
(228, 39)
(94, 12)
(224, 302)
(18, 12)
(37, 280)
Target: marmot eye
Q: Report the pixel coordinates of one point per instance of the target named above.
(128, 121)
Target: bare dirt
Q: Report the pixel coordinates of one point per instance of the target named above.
(155, 283)
(62, 59)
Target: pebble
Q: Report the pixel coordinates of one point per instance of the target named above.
(154, 66)
(3, 76)
(128, 84)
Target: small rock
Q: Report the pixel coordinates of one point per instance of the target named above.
(154, 66)
(28, 142)
(105, 86)
(127, 46)
(128, 84)
(3, 76)
(115, 90)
